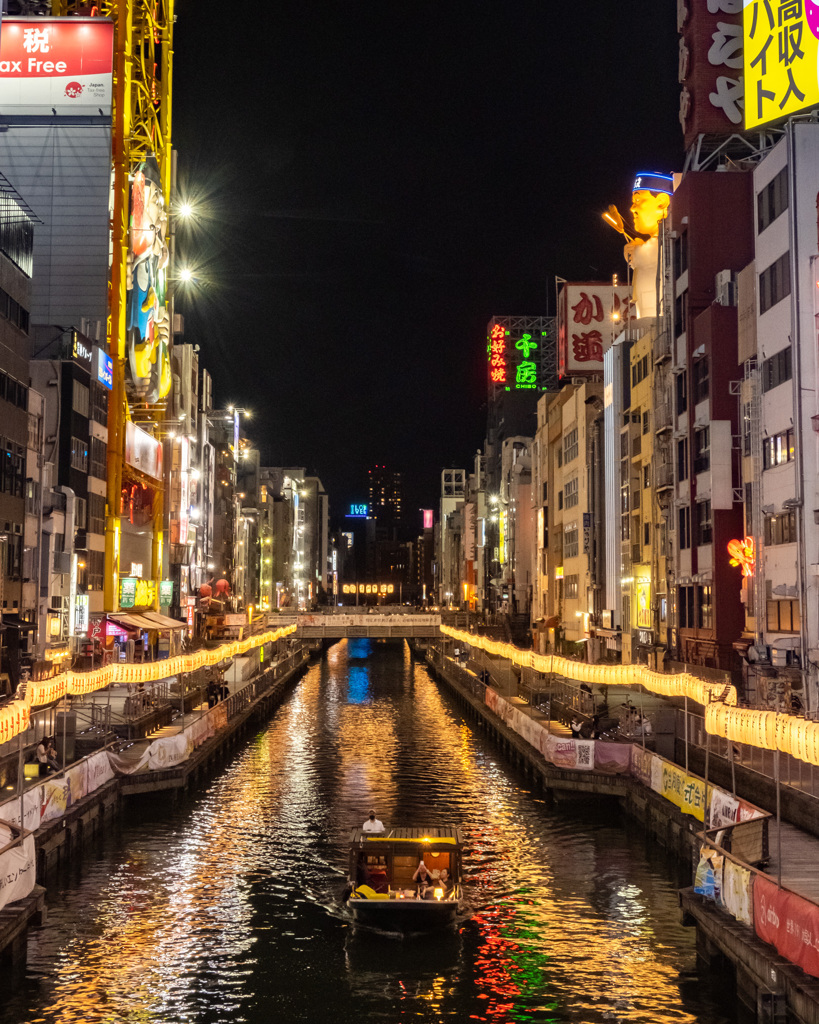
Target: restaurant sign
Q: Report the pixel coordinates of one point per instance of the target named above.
(136, 593)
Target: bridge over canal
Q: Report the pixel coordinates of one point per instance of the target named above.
(374, 625)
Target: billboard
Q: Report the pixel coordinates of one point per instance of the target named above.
(710, 68)
(515, 355)
(781, 47)
(589, 316)
(56, 66)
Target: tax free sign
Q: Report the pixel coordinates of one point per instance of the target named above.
(57, 66)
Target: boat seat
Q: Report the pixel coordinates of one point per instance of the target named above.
(368, 893)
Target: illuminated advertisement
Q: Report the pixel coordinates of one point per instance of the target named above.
(358, 512)
(81, 613)
(56, 66)
(142, 451)
(710, 67)
(514, 360)
(781, 47)
(427, 518)
(180, 491)
(367, 588)
(136, 593)
(643, 593)
(147, 323)
(103, 370)
(589, 316)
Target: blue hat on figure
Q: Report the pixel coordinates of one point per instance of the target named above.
(653, 181)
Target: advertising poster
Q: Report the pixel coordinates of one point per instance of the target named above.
(612, 757)
(737, 892)
(723, 810)
(710, 67)
(788, 923)
(590, 315)
(673, 783)
(56, 797)
(17, 869)
(64, 65)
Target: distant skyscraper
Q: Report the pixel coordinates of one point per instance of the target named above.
(386, 493)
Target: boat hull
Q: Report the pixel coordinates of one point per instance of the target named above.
(404, 915)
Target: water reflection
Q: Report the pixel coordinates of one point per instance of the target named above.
(225, 907)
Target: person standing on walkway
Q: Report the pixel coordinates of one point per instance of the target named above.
(576, 727)
(372, 824)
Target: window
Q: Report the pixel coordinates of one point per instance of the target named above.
(79, 455)
(570, 446)
(646, 418)
(639, 370)
(560, 499)
(14, 555)
(646, 534)
(682, 392)
(746, 428)
(570, 495)
(559, 456)
(772, 200)
(570, 541)
(13, 391)
(776, 370)
(680, 252)
(704, 522)
(684, 525)
(778, 449)
(545, 493)
(646, 477)
(679, 314)
(99, 456)
(80, 396)
(13, 457)
(705, 610)
(700, 369)
(682, 458)
(702, 449)
(95, 561)
(571, 587)
(624, 446)
(99, 404)
(685, 608)
(13, 311)
(780, 529)
(783, 617)
(775, 282)
(80, 514)
(96, 513)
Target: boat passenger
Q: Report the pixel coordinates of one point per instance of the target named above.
(445, 882)
(422, 877)
(372, 824)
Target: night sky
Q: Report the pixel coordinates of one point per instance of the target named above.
(376, 180)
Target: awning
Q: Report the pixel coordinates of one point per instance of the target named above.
(164, 621)
(132, 621)
(551, 623)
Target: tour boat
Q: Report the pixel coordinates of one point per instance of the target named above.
(381, 892)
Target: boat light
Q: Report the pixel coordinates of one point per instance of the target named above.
(439, 894)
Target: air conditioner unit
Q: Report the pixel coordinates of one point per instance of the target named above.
(726, 288)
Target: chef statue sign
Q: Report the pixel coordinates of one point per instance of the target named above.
(650, 198)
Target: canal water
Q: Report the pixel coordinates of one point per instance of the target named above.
(224, 907)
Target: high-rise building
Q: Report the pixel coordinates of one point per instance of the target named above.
(386, 498)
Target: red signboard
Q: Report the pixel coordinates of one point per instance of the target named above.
(64, 65)
(787, 922)
(590, 315)
(710, 70)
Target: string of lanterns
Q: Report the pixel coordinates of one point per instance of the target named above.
(16, 715)
(769, 730)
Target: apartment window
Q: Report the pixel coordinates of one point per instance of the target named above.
(679, 314)
(559, 457)
(772, 200)
(545, 493)
(682, 458)
(685, 607)
(13, 457)
(680, 252)
(80, 514)
(783, 617)
(570, 541)
(646, 418)
(704, 531)
(95, 571)
(570, 446)
(560, 500)
(778, 449)
(99, 404)
(702, 449)
(571, 587)
(646, 534)
(13, 311)
(646, 477)
(624, 446)
(96, 513)
(684, 527)
(776, 370)
(570, 493)
(780, 529)
(80, 397)
(79, 455)
(775, 282)
(705, 607)
(746, 428)
(682, 392)
(99, 456)
(14, 555)
(701, 381)
(13, 391)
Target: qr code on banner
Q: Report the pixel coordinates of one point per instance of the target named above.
(584, 754)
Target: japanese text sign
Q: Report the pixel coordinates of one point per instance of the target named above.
(59, 64)
(781, 39)
(590, 314)
(514, 357)
(710, 67)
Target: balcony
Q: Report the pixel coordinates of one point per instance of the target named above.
(636, 446)
(662, 418)
(663, 478)
(662, 347)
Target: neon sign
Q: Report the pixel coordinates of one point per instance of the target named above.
(358, 512)
(368, 588)
(743, 554)
(497, 354)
